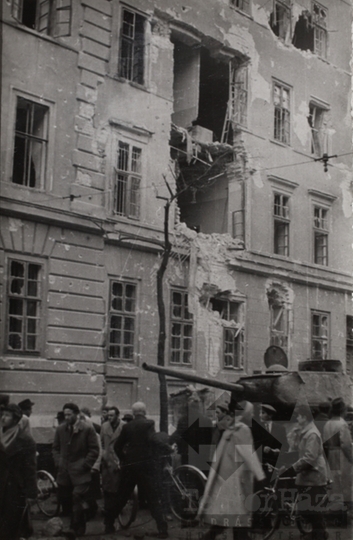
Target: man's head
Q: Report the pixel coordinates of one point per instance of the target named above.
(86, 412)
(26, 406)
(104, 416)
(113, 415)
(304, 415)
(11, 415)
(71, 412)
(338, 407)
(267, 412)
(221, 411)
(139, 409)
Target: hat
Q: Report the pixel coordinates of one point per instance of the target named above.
(224, 406)
(72, 406)
(338, 406)
(269, 408)
(127, 417)
(14, 410)
(26, 404)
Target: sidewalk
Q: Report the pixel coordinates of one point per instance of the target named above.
(144, 524)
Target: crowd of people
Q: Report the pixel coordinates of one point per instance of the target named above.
(119, 453)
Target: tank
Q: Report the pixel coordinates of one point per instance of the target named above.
(283, 389)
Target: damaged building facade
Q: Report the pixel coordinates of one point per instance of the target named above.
(109, 110)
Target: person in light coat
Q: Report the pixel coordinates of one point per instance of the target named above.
(338, 447)
(227, 500)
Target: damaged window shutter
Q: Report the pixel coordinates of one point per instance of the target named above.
(135, 198)
(16, 10)
(63, 16)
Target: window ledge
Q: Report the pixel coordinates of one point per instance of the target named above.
(279, 143)
(131, 83)
(45, 37)
(241, 12)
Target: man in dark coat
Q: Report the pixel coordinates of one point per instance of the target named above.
(18, 484)
(75, 451)
(134, 448)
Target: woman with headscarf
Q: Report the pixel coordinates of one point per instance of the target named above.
(227, 500)
(18, 485)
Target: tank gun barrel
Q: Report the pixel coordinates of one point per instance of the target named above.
(231, 387)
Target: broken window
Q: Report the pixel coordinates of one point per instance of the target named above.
(281, 101)
(122, 320)
(280, 19)
(243, 5)
(132, 46)
(128, 181)
(24, 306)
(181, 329)
(31, 142)
(281, 224)
(319, 23)
(310, 31)
(50, 17)
(320, 235)
(316, 119)
(279, 319)
(320, 327)
(237, 110)
(233, 331)
(349, 345)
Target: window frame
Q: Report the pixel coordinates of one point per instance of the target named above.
(234, 4)
(184, 322)
(130, 176)
(319, 136)
(123, 313)
(239, 92)
(284, 126)
(321, 229)
(20, 258)
(319, 29)
(283, 219)
(285, 5)
(319, 338)
(53, 22)
(143, 56)
(232, 325)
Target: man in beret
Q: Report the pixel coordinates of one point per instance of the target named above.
(75, 451)
(18, 484)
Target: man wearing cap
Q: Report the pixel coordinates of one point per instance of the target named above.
(75, 451)
(18, 484)
(26, 409)
(338, 447)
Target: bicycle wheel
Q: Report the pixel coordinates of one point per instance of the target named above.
(128, 513)
(186, 490)
(266, 517)
(47, 498)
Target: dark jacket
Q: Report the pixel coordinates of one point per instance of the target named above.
(276, 440)
(75, 452)
(134, 442)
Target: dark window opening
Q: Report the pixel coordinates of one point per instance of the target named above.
(31, 139)
(214, 93)
(29, 13)
(132, 47)
(50, 17)
(310, 32)
(280, 19)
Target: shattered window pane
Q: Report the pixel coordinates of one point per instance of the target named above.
(181, 329)
(24, 306)
(122, 320)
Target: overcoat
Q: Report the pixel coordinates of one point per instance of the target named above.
(110, 461)
(338, 445)
(311, 467)
(227, 500)
(75, 451)
(17, 482)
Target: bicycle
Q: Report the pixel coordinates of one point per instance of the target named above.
(268, 512)
(47, 498)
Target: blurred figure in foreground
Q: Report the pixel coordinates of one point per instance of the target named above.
(18, 484)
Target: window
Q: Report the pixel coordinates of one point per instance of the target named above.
(281, 101)
(31, 143)
(317, 123)
(319, 24)
(239, 94)
(128, 181)
(320, 326)
(181, 331)
(320, 235)
(243, 5)
(279, 316)
(24, 306)
(349, 346)
(50, 17)
(280, 19)
(281, 224)
(132, 46)
(122, 320)
(233, 331)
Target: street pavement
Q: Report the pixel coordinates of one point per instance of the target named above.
(144, 525)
